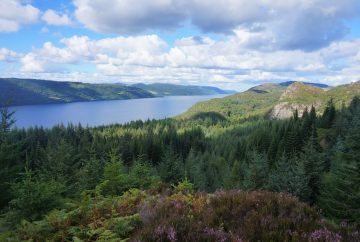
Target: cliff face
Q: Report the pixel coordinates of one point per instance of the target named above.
(298, 96)
(285, 110)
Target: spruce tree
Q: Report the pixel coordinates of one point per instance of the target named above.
(171, 167)
(313, 162)
(289, 176)
(328, 117)
(116, 179)
(256, 173)
(33, 197)
(340, 197)
(9, 155)
(237, 174)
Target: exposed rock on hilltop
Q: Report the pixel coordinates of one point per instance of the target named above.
(298, 96)
(277, 101)
(286, 110)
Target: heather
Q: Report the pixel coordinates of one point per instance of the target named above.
(178, 214)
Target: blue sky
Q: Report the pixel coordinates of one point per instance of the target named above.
(229, 43)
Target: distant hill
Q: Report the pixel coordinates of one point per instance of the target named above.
(31, 91)
(276, 100)
(161, 89)
(321, 85)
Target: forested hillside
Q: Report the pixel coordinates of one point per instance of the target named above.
(160, 89)
(277, 100)
(30, 91)
(16, 92)
(233, 175)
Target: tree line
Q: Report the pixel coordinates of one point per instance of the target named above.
(313, 157)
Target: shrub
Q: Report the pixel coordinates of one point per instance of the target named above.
(184, 216)
(234, 216)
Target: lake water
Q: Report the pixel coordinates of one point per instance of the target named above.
(104, 112)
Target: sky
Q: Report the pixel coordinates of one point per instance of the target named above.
(231, 44)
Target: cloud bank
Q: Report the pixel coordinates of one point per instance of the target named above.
(196, 60)
(14, 14)
(288, 24)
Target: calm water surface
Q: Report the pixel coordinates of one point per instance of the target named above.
(104, 112)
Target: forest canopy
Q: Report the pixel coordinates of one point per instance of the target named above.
(55, 181)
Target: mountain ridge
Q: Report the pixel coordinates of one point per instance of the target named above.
(34, 91)
(277, 101)
(17, 92)
(165, 89)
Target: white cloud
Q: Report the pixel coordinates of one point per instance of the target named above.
(53, 18)
(192, 60)
(288, 24)
(13, 14)
(129, 16)
(31, 64)
(7, 55)
(122, 51)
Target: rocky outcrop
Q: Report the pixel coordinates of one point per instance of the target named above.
(286, 110)
(298, 96)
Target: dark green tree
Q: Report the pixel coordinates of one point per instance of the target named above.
(313, 161)
(256, 173)
(328, 117)
(340, 196)
(116, 179)
(171, 168)
(33, 197)
(289, 176)
(9, 155)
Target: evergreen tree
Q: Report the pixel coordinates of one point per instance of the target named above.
(237, 175)
(313, 162)
(340, 195)
(60, 164)
(116, 179)
(33, 197)
(171, 168)
(256, 173)
(195, 167)
(143, 174)
(9, 155)
(328, 117)
(289, 176)
(7, 121)
(90, 174)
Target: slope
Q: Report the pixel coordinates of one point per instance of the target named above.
(276, 101)
(161, 89)
(31, 91)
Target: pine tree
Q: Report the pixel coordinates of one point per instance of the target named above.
(7, 120)
(313, 162)
(171, 168)
(9, 155)
(90, 174)
(195, 167)
(340, 195)
(33, 197)
(60, 164)
(116, 179)
(328, 117)
(237, 175)
(143, 174)
(256, 173)
(289, 176)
